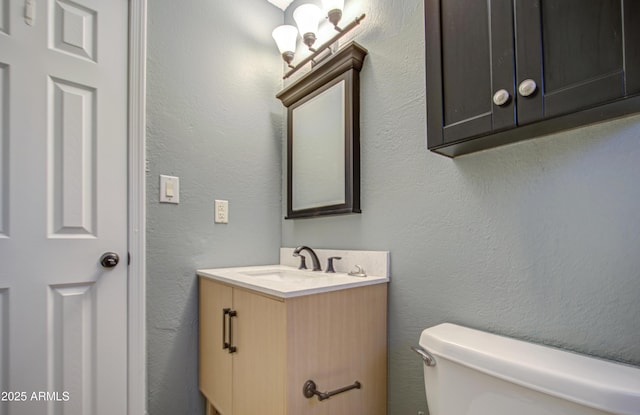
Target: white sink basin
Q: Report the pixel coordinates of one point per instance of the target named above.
(279, 275)
(284, 281)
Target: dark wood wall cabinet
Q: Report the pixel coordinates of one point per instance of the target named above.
(501, 71)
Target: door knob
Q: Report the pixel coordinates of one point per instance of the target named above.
(109, 259)
(527, 87)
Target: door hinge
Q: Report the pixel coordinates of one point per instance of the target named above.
(128, 258)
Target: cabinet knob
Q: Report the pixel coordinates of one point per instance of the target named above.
(501, 97)
(527, 87)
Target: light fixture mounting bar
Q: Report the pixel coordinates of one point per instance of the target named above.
(325, 45)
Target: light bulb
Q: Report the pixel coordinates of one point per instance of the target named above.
(285, 37)
(333, 8)
(307, 18)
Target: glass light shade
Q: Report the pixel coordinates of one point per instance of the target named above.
(329, 5)
(307, 18)
(285, 37)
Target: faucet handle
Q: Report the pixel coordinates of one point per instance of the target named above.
(358, 272)
(330, 263)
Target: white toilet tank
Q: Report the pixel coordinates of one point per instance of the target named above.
(478, 373)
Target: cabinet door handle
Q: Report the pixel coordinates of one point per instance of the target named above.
(501, 97)
(225, 313)
(232, 348)
(527, 87)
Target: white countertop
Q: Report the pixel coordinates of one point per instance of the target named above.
(285, 281)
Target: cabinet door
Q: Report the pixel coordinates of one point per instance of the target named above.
(574, 51)
(470, 57)
(259, 361)
(336, 338)
(215, 362)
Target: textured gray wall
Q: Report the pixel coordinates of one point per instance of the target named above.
(538, 240)
(213, 120)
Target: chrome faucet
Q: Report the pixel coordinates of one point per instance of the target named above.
(314, 257)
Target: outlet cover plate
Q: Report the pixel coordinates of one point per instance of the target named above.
(221, 208)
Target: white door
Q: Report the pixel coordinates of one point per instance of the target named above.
(63, 203)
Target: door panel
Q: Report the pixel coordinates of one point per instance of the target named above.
(4, 150)
(4, 344)
(591, 48)
(470, 57)
(342, 346)
(63, 203)
(259, 365)
(585, 95)
(465, 44)
(502, 62)
(632, 51)
(215, 362)
(528, 59)
(72, 338)
(4, 16)
(72, 160)
(583, 66)
(466, 101)
(75, 30)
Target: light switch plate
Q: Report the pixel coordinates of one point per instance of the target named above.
(169, 189)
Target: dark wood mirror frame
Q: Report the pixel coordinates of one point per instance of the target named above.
(344, 65)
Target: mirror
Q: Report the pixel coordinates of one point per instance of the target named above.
(317, 175)
(323, 137)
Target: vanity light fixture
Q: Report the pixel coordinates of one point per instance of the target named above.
(307, 17)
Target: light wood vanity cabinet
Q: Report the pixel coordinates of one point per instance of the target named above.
(333, 338)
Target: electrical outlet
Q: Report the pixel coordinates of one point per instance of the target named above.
(221, 209)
